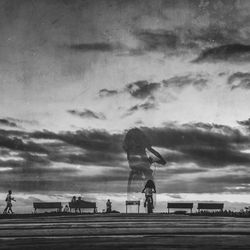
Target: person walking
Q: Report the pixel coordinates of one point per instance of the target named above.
(8, 208)
(149, 190)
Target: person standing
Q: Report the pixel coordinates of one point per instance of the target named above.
(108, 206)
(9, 198)
(78, 203)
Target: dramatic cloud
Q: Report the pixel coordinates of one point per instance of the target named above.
(88, 159)
(88, 114)
(239, 80)
(245, 123)
(96, 140)
(107, 92)
(205, 148)
(231, 52)
(8, 123)
(142, 89)
(15, 143)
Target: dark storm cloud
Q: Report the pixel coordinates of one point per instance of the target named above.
(15, 143)
(245, 123)
(205, 148)
(89, 114)
(6, 122)
(96, 140)
(107, 92)
(198, 81)
(88, 47)
(230, 52)
(142, 89)
(206, 145)
(239, 80)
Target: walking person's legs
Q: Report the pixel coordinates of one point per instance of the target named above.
(10, 209)
(5, 210)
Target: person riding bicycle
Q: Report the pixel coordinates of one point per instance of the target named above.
(149, 189)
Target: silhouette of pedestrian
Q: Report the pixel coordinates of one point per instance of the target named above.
(8, 208)
(74, 203)
(78, 202)
(108, 206)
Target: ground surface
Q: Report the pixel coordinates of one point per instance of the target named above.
(121, 231)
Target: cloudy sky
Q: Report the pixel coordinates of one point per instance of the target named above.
(76, 75)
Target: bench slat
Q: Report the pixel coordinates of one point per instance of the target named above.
(210, 206)
(133, 203)
(47, 205)
(180, 205)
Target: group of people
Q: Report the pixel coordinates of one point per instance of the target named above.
(76, 202)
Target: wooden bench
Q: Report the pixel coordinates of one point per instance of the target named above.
(48, 205)
(210, 206)
(180, 206)
(82, 204)
(133, 203)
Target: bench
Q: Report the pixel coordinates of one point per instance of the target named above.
(82, 204)
(133, 203)
(210, 206)
(48, 205)
(180, 206)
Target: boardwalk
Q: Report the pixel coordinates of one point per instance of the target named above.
(121, 231)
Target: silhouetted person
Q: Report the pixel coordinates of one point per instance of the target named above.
(78, 202)
(73, 199)
(74, 202)
(108, 206)
(66, 209)
(135, 145)
(149, 189)
(8, 208)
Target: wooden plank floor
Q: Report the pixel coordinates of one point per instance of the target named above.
(121, 231)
